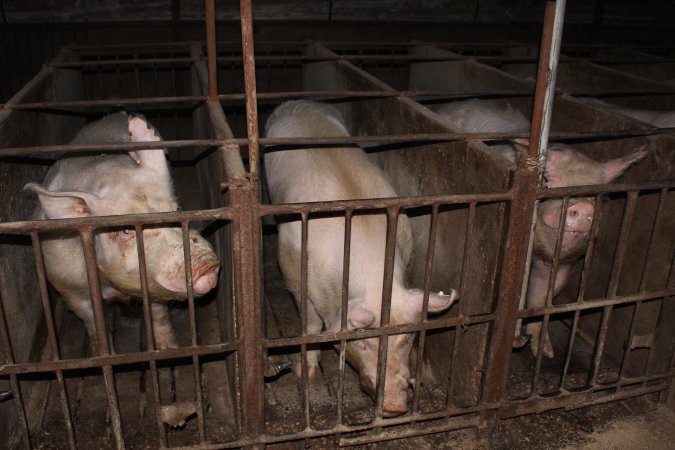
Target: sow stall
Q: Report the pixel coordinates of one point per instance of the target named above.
(228, 383)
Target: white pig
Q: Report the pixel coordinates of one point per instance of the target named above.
(656, 118)
(564, 167)
(312, 175)
(112, 184)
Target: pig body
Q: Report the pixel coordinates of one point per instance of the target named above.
(311, 175)
(656, 118)
(565, 166)
(484, 116)
(113, 184)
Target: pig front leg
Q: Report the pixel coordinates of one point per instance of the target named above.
(314, 326)
(162, 329)
(536, 298)
(82, 309)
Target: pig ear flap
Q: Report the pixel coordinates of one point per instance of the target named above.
(141, 131)
(554, 161)
(614, 168)
(438, 302)
(359, 317)
(63, 205)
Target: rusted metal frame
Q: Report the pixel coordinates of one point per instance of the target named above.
(344, 301)
(247, 237)
(433, 226)
(88, 243)
(304, 300)
(193, 329)
(549, 292)
(51, 335)
(224, 213)
(651, 246)
(119, 80)
(137, 79)
(389, 330)
(582, 290)
(385, 307)
(470, 220)
(89, 49)
(418, 430)
(594, 304)
(573, 400)
(210, 21)
(617, 266)
(120, 62)
(8, 353)
(671, 284)
(522, 213)
(138, 101)
(149, 335)
(117, 360)
(246, 11)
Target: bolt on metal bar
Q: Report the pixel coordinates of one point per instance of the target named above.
(149, 335)
(185, 231)
(88, 243)
(615, 276)
(51, 336)
(8, 353)
(588, 257)
(431, 243)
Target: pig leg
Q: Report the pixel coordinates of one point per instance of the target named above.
(314, 326)
(161, 326)
(536, 298)
(82, 309)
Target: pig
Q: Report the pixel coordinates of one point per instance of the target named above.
(565, 166)
(312, 175)
(113, 184)
(656, 118)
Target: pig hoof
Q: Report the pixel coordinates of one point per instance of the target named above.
(547, 348)
(312, 371)
(394, 410)
(520, 342)
(140, 132)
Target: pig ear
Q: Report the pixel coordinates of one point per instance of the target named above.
(63, 205)
(141, 131)
(554, 160)
(614, 168)
(437, 302)
(358, 316)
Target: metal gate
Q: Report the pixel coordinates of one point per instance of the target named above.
(472, 217)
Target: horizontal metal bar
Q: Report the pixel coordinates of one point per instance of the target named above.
(117, 359)
(379, 331)
(593, 304)
(224, 213)
(119, 62)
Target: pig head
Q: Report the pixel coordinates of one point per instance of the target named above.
(115, 184)
(565, 167)
(311, 175)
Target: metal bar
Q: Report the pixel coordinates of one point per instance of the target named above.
(617, 267)
(433, 226)
(304, 300)
(149, 335)
(346, 255)
(187, 261)
(8, 353)
(51, 336)
(246, 11)
(88, 243)
(210, 19)
(522, 211)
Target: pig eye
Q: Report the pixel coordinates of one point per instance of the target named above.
(128, 233)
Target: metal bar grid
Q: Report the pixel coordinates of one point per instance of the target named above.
(108, 361)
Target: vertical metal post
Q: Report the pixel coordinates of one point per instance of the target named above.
(249, 83)
(521, 215)
(210, 17)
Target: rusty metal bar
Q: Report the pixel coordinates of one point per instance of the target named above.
(431, 242)
(304, 300)
(210, 20)
(185, 231)
(522, 212)
(8, 353)
(346, 256)
(617, 267)
(88, 243)
(588, 257)
(149, 335)
(246, 11)
(51, 335)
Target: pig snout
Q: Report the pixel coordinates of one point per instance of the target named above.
(579, 217)
(204, 278)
